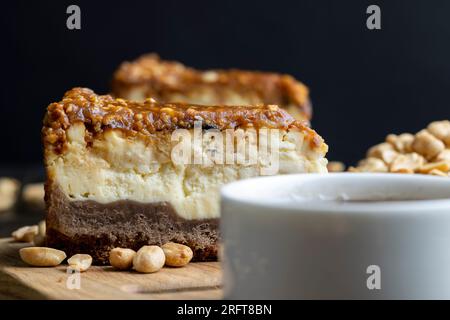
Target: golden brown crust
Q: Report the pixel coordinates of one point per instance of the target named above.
(161, 79)
(102, 112)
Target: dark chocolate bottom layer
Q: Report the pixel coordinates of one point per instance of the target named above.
(95, 228)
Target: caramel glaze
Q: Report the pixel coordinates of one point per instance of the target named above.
(103, 112)
(162, 78)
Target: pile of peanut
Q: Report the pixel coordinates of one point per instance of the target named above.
(147, 259)
(32, 194)
(9, 189)
(426, 152)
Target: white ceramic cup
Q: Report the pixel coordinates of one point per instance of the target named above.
(295, 237)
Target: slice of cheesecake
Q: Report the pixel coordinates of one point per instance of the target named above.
(170, 81)
(128, 174)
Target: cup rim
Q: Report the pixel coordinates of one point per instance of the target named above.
(232, 192)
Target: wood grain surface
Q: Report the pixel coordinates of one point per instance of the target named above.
(200, 280)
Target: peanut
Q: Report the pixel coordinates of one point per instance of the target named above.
(427, 145)
(443, 166)
(121, 258)
(402, 143)
(33, 195)
(441, 130)
(370, 165)
(42, 228)
(80, 262)
(376, 149)
(177, 255)
(436, 172)
(388, 156)
(8, 193)
(444, 155)
(407, 163)
(149, 259)
(383, 151)
(25, 234)
(39, 239)
(335, 166)
(42, 256)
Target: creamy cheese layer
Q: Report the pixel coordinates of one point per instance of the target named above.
(120, 167)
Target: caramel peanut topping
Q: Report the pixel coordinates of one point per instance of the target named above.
(102, 112)
(164, 78)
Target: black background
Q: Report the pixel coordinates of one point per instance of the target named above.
(364, 84)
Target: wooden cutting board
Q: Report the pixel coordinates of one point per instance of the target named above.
(201, 280)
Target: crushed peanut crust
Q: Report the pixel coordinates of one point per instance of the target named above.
(103, 112)
(163, 78)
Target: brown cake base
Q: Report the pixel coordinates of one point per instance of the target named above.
(95, 228)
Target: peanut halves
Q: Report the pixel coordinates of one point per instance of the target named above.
(39, 239)
(25, 234)
(427, 145)
(80, 262)
(177, 255)
(42, 256)
(121, 258)
(149, 259)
